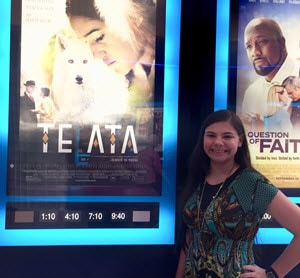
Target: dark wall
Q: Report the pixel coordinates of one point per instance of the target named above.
(196, 82)
(87, 262)
(196, 90)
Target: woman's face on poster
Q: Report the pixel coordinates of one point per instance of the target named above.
(283, 96)
(115, 52)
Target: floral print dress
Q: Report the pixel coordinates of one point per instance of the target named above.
(224, 230)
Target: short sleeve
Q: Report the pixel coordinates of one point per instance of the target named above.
(253, 191)
(264, 194)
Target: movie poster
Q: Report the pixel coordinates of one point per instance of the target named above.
(264, 103)
(90, 102)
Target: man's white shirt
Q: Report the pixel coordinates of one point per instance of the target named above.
(255, 98)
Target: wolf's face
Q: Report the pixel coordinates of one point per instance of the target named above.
(84, 88)
(73, 61)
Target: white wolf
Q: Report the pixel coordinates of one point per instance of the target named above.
(85, 89)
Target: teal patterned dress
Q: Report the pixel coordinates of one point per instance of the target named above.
(225, 228)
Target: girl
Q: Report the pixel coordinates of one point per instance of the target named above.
(223, 204)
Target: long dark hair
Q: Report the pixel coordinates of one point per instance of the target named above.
(199, 162)
(84, 8)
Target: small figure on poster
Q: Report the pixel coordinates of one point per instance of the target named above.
(27, 104)
(277, 117)
(292, 86)
(46, 108)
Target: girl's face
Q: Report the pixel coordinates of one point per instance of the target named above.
(116, 53)
(221, 142)
(283, 96)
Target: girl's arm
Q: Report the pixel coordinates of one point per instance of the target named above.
(182, 257)
(287, 214)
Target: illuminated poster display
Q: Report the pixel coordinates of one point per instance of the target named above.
(273, 141)
(261, 100)
(100, 130)
(90, 145)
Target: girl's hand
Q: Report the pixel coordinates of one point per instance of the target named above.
(253, 271)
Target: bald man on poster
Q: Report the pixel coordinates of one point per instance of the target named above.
(267, 52)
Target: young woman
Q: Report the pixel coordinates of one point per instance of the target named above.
(46, 108)
(122, 34)
(223, 204)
